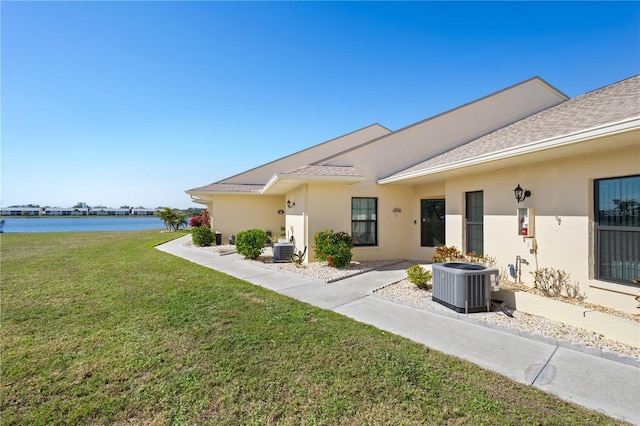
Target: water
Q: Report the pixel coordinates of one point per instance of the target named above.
(80, 224)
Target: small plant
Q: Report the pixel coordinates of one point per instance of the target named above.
(250, 243)
(202, 236)
(333, 247)
(556, 283)
(419, 276)
(446, 254)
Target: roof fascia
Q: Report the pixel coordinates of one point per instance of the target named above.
(608, 129)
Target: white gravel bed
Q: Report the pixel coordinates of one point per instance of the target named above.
(406, 292)
(322, 271)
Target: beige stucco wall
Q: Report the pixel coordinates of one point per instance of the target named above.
(231, 214)
(562, 196)
(328, 206)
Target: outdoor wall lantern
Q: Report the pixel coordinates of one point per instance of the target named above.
(290, 204)
(521, 194)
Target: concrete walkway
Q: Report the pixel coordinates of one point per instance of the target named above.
(587, 378)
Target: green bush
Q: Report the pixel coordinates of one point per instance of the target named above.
(333, 247)
(419, 276)
(250, 243)
(202, 236)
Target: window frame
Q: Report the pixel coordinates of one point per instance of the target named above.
(601, 229)
(472, 226)
(374, 222)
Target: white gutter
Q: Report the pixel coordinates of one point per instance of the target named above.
(555, 142)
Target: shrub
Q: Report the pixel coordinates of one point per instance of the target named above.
(333, 247)
(419, 276)
(250, 243)
(555, 283)
(202, 236)
(446, 254)
(202, 219)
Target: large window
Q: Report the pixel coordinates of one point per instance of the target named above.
(432, 226)
(617, 202)
(364, 221)
(475, 218)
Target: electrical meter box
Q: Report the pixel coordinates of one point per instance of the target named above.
(526, 222)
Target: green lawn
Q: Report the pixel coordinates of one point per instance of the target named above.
(101, 328)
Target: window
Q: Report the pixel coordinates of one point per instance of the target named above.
(364, 221)
(474, 219)
(432, 226)
(617, 217)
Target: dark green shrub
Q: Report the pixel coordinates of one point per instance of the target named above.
(250, 243)
(333, 247)
(202, 236)
(419, 276)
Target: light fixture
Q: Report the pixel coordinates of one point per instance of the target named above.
(280, 211)
(290, 204)
(521, 194)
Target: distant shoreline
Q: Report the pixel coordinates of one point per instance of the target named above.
(80, 217)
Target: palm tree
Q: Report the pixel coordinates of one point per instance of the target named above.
(173, 219)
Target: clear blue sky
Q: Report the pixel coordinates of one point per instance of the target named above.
(132, 103)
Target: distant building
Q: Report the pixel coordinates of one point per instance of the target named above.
(108, 211)
(143, 212)
(66, 211)
(20, 211)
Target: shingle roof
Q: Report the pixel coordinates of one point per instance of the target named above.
(307, 170)
(228, 187)
(311, 170)
(609, 104)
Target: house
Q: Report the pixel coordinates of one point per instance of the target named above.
(451, 180)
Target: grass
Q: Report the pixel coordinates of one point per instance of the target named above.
(101, 328)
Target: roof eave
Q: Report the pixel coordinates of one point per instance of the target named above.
(278, 178)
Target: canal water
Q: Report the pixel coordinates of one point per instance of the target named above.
(80, 224)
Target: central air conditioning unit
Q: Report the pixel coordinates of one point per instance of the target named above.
(282, 252)
(464, 287)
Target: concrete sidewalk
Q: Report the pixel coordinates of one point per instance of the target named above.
(587, 378)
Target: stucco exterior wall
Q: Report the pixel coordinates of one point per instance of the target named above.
(562, 194)
(231, 214)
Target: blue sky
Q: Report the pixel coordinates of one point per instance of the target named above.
(132, 103)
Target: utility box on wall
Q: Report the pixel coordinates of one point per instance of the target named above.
(526, 222)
